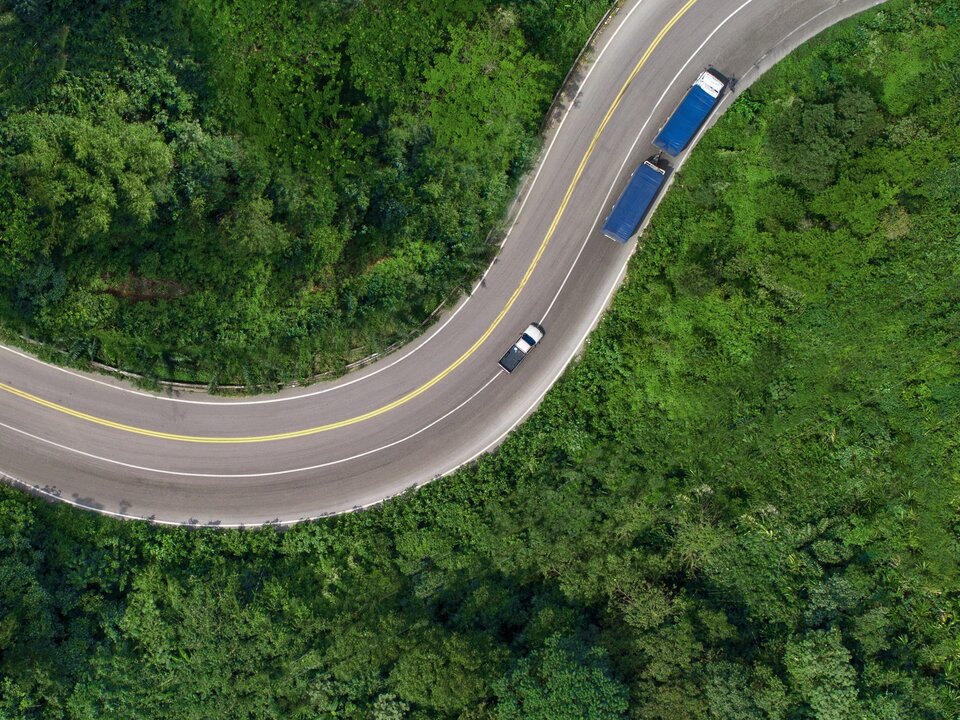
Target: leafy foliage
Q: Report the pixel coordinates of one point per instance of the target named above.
(742, 503)
(565, 681)
(253, 191)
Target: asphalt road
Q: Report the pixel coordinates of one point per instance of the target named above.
(441, 401)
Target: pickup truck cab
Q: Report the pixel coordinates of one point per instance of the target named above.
(524, 344)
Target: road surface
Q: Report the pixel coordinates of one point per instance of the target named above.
(441, 401)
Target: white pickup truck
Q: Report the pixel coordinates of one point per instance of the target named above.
(524, 344)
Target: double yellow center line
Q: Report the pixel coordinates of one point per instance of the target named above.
(429, 384)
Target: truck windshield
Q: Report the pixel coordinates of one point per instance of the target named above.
(528, 340)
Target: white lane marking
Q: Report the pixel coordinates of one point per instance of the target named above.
(273, 473)
(215, 524)
(492, 445)
(230, 403)
(756, 66)
(623, 268)
(626, 159)
(533, 406)
(626, 262)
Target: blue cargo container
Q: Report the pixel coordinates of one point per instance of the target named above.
(634, 202)
(699, 102)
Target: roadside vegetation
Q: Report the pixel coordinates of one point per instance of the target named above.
(742, 503)
(259, 191)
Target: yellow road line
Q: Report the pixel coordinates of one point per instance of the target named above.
(426, 386)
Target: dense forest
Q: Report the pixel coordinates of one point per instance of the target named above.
(741, 503)
(253, 191)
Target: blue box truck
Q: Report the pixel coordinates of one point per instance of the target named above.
(635, 201)
(696, 106)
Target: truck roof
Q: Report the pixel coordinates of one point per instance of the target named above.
(711, 83)
(634, 202)
(535, 332)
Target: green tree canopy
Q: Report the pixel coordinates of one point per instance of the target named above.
(566, 679)
(83, 176)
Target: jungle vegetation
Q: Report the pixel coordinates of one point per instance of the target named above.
(260, 191)
(741, 503)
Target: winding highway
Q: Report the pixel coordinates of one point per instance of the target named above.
(440, 402)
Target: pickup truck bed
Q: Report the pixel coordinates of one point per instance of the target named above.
(511, 359)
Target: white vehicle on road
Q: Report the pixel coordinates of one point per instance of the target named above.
(524, 344)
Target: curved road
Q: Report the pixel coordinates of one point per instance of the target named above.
(441, 401)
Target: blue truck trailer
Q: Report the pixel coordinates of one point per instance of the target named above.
(699, 102)
(635, 201)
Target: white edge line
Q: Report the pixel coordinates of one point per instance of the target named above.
(623, 268)
(239, 476)
(563, 369)
(319, 466)
(616, 285)
(500, 438)
(420, 342)
(630, 152)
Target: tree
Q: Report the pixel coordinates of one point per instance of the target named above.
(820, 672)
(83, 175)
(566, 679)
(30, 12)
(805, 142)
